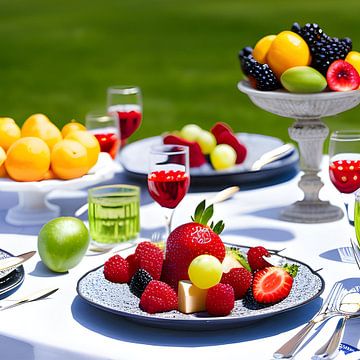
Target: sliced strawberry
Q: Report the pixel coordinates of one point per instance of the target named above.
(342, 76)
(197, 158)
(219, 128)
(255, 258)
(271, 285)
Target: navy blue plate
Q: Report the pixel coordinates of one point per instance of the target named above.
(116, 298)
(10, 280)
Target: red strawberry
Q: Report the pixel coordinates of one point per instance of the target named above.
(220, 300)
(345, 175)
(190, 240)
(116, 269)
(342, 76)
(133, 266)
(271, 285)
(158, 297)
(240, 279)
(196, 157)
(255, 259)
(149, 257)
(219, 128)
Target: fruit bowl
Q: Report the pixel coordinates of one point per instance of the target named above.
(310, 133)
(33, 207)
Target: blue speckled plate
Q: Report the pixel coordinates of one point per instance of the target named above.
(10, 280)
(116, 298)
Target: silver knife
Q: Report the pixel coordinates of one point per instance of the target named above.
(41, 294)
(15, 261)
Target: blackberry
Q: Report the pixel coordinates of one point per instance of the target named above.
(324, 49)
(250, 303)
(244, 53)
(259, 75)
(139, 282)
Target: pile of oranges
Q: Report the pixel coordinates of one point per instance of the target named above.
(40, 151)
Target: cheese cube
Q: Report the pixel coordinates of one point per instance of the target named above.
(190, 298)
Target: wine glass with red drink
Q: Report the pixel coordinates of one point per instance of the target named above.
(344, 167)
(125, 104)
(106, 130)
(168, 177)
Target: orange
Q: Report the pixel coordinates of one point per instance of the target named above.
(262, 47)
(3, 173)
(90, 142)
(28, 159)
(69, 159)
(49, 175)
(286, 51)
(353, 58)
(71, 126)
(39, 125)
(2, 155)
(9, 132)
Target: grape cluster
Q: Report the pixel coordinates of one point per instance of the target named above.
(324, 49)
(260, 75)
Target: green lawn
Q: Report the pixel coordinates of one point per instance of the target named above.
(58, 57)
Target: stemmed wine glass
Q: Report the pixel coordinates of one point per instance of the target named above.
(125, 103)
(168, 177)
(106, 130)
(344, 169)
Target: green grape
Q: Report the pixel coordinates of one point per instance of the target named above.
(207, 142)
(190, 132)
(205, 271)
(223, 157)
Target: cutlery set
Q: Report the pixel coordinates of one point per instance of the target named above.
(338, 303)
(13, 262)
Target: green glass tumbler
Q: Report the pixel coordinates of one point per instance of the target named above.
(114, 214)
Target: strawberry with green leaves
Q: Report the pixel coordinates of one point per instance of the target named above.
(190, 240)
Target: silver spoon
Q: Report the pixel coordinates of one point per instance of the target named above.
(272, 155)
(350, 308)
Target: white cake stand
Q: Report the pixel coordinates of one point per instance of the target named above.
(309, 132)
(33, 207)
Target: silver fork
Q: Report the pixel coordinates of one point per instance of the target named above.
(326, 311)
(346, 254)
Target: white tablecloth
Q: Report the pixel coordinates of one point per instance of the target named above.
(64, 327)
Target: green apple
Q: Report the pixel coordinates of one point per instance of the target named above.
(62, 243)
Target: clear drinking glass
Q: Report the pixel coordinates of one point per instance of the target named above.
(125, 104)
(344, 167)
(356, 245)
(114, 214)
(106, 129)
(168, 177)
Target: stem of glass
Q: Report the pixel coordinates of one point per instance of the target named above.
(169, 213)
(349, 199)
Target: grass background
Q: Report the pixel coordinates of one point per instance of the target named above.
(58, 57)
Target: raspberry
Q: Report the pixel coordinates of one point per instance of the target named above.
(116, 269)
(158, 297)
(240, 279)
(133, 267)
(139, 282)
(149, 257)
(255, 259)
(220, 300)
